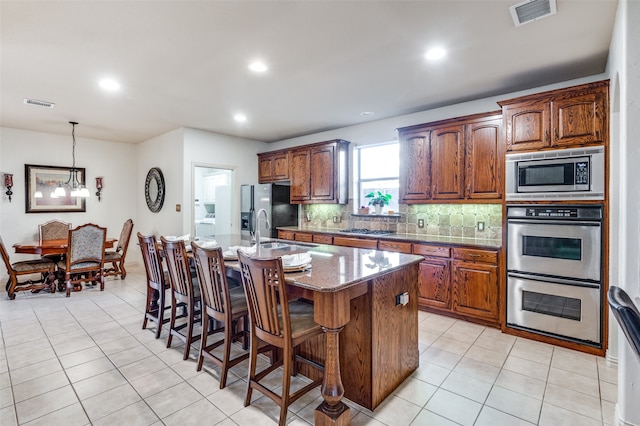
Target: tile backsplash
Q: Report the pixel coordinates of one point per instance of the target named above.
(451, 220)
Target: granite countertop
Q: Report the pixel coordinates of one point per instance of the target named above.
(413, 238)
(333, 268)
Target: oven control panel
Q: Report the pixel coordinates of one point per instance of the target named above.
(542, 212)
(552, 212)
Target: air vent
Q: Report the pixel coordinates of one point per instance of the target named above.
(36, 102)
(532, 10)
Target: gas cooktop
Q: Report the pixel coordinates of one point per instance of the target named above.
(367, 231)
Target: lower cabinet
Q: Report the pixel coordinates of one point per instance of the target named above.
(455, 281)
(434, 289)
(460, 282)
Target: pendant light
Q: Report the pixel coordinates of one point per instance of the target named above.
(76, 188)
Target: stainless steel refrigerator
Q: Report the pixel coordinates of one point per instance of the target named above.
(272, 197)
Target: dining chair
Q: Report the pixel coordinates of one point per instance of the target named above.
(225, 305)
(157, 283)
(85, 257)
(185, 292)
(116, 258)
(44, 267)
(53, 230)
(277, 321)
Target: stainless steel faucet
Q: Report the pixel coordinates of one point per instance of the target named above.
(267, 226)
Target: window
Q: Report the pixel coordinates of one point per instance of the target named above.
(378, 170)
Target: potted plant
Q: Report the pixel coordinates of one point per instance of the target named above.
(378, 200)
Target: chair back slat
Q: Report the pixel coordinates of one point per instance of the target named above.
(152, 261)
(86, 244)
(178, 265)
(213, 277)
(265, 288)
(53, 230)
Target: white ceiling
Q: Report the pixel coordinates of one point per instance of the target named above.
(184, 63)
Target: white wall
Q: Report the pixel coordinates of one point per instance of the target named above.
(114, 161)
(385, 130)
(164, 152)
(624, 68)
(220, 151)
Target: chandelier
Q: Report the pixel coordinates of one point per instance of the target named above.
(77, 189)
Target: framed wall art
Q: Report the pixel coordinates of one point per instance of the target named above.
(42, 181)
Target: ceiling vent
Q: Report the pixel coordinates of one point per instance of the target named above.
(532, 10)
(36, 102)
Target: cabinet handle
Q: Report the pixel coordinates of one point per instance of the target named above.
(546, 135)
(474, 255)
(555, 131)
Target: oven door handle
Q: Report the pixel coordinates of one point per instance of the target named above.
(555, 280)
(554, 222)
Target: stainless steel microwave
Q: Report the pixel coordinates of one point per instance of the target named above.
(564, 174)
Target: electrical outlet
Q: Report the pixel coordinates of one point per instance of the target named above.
(336, 219)
(481, 226)
(420, 223)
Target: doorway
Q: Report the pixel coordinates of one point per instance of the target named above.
(212, 201)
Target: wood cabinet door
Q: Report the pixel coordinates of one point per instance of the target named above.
(300, 175)
(415, 173)
(527, 125)
(264, 168)
(447, 165)
(434, 287)
(484, 160)
(579, 120)
(280, 167)
(475, 289)
(323, 173)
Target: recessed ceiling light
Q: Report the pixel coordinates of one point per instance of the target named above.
(240, 118)
(435, 54)
(367, 113)
(109, 84)
(258, 66)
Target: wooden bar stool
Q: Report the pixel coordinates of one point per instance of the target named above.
(227, 306)
(278, 322)
(185, 291)
(157, 283)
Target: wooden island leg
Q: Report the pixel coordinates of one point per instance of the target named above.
(332, 411)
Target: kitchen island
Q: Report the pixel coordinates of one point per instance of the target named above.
(366, 302)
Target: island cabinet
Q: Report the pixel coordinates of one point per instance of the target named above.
(460, 282)
(564, 118)
(461, 160)
(319, 173)
(273, 166)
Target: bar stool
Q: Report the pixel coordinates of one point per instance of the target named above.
(157, 283)
(226, 306)
(278, 322)
(185, 291)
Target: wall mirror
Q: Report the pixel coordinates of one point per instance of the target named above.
(154, 189)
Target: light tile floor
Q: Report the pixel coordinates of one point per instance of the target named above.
(86, 360)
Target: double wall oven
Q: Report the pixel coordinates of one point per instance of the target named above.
(554, 270)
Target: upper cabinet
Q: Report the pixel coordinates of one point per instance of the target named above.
(460, 159)
(273, 166)
(318, 172)
(564, 118)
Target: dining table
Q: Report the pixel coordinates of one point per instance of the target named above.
(354, 297)
(49, 247)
